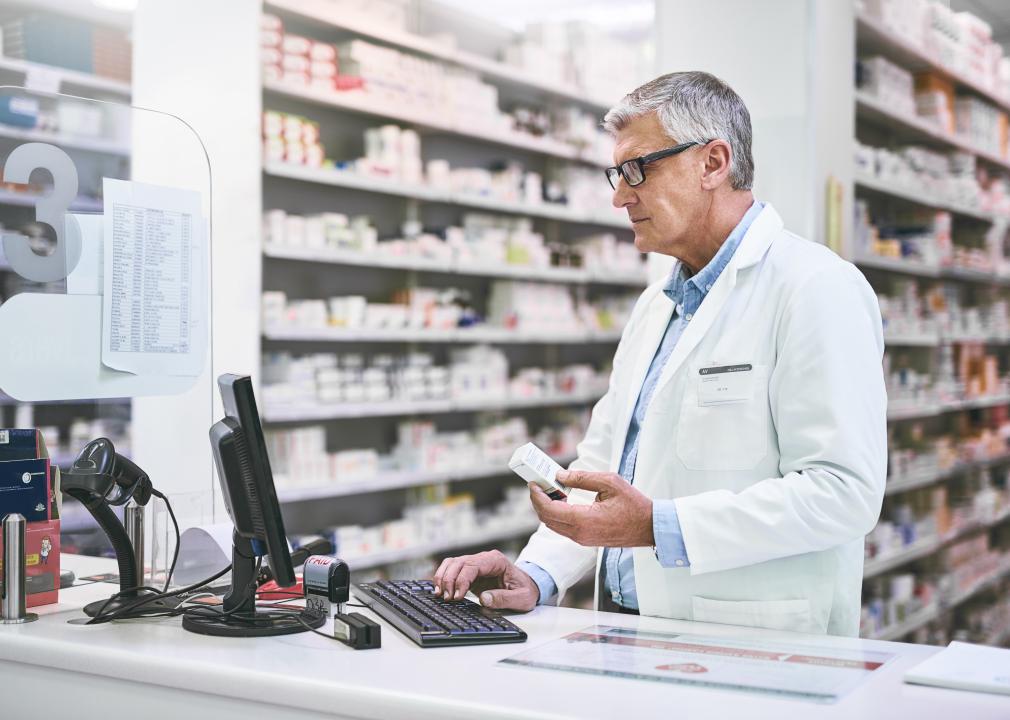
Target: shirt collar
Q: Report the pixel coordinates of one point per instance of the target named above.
(687, 291)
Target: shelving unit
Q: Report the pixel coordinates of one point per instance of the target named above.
(875, 116)
(303, 190)
(395, 480)
(353, 181)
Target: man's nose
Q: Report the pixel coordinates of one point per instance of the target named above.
(624, 195)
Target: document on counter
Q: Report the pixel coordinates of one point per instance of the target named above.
(804, 672)
(963, 666)
(154, 316)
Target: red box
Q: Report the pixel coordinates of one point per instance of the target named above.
(42, 562)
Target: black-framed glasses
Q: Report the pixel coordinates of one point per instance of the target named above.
(633, 170)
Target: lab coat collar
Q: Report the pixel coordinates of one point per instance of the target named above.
(757, 239)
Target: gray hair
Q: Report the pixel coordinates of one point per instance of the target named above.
(693, 106)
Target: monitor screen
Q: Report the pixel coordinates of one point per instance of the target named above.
(246, 480)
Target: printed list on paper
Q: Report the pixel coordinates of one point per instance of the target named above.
(153, 244)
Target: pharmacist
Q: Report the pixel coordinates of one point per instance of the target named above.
(738, 458)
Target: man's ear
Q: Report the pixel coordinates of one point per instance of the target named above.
(717, 157)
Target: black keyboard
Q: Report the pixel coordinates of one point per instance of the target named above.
(430, 621)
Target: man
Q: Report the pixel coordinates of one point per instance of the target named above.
(738, 458)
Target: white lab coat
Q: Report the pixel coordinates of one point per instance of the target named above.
(777, 472)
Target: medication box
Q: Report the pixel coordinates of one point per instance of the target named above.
(29, 485)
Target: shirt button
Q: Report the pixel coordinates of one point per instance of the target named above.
(679, 563)
(708, 287)
(689, 316)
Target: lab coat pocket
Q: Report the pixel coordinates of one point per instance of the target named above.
(791, 615)
(724, 426)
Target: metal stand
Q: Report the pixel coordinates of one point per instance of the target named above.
(14, 572)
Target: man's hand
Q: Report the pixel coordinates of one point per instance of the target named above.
(620, 517)
(492, 577)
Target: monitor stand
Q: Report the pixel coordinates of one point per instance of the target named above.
(238, 615)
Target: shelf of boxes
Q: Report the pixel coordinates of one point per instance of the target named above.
(928, 546)
(913, 622)
(935, 610)
(61, 76)
(393, 481)
(493, 336)
(876, 38)
(329, 14)
(339, 411)
(911, 194)
(873, 38)
(389, 557)
(903, 411)
(336, 19)
(871, 108)
(95, 145)
(359, 102)
(915, 482)
(357, 181)
(927, 270)
(81, 204)
(549, 274)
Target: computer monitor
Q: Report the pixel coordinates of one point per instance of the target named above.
(243, 469)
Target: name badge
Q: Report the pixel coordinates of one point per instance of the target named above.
(725, 384)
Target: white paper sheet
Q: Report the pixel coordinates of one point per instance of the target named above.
(963, 666)
(86, 278)
(153, 307)
(819, 674)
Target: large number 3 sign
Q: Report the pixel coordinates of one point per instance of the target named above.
(50, 209)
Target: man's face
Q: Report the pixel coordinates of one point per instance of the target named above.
(663, 209)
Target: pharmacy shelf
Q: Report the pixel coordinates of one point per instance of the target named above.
(19, 199)
(356, 181)
(342, 411)
(998, 638)
(913, 622)
(920, 549)
(919, 129)
(928, 546)
(933, 612)
(898, 265)
(478, 334)
(924, 340)
(393, 481)
(104, 147)
(502, 270)
(334, 16)
(873, 37)
(928, 270)
(63, 77)
(359, 101)
(418, 551)
(909, 412)
(926, 479)
(913, 195)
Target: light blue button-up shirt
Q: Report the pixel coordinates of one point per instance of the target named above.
(686, 293)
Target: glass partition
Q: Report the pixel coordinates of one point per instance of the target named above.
(105, 295)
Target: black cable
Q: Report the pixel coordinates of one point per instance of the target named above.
(125, 612)
(171, 570)
(178, 537)
(312, 629)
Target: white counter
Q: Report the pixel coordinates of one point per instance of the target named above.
(154, 669)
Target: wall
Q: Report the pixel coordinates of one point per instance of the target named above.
(791, 61)
(180, 67)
